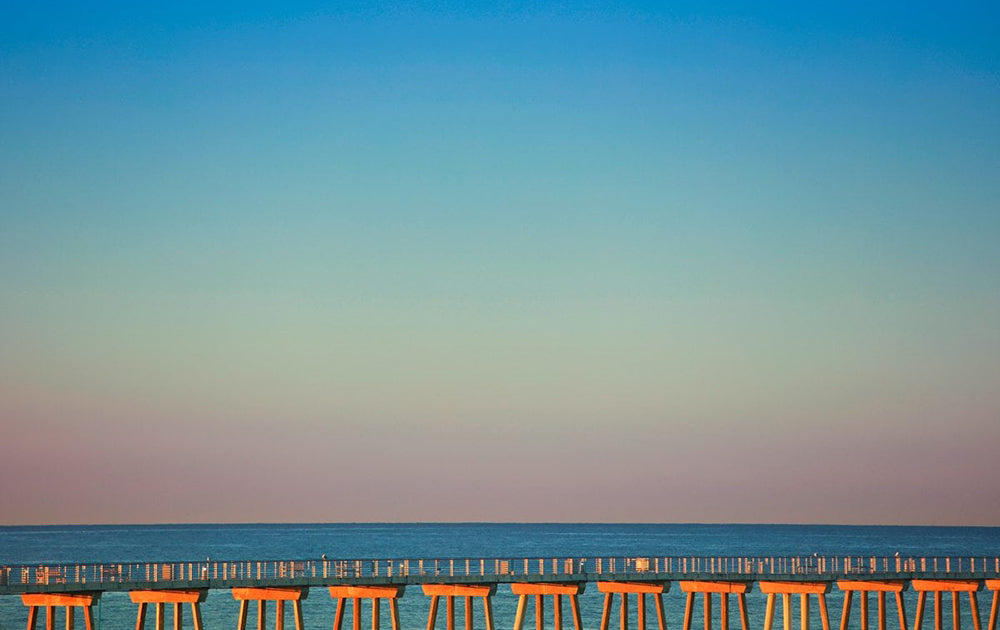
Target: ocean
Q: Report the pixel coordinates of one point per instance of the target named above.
(133, 543)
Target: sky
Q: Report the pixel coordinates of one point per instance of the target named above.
(610, 262)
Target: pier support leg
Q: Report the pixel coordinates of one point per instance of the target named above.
(918, 619)
(522, 605)
(708, 589)
(556, 589)
(488, 612)
(880, 588)
(431, 615)
(338, 619)
(641, 589)
(901, 609)
(974, 605)
(468, 592)
(994, 585)
(824, 615)
(956, 588)
(69, 601)
(277, 594)
(357, 594)
(845, 615)
(804, 590)
(769, 612)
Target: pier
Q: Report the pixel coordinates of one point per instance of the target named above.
(363, 583)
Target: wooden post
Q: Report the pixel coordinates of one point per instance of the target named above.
(974, 605)
(901, 609)
(432, 615)
(824, 615)
(994, 585)
(450, 592)
(277, 594)
(522, 604)
(661, 617)
(845, 616)
(488, 610)
(624, 589)
(338, 619)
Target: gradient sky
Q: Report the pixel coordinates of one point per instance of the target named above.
(505, 262)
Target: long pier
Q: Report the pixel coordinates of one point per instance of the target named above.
(80, 585)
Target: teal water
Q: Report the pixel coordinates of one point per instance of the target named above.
(110, 543)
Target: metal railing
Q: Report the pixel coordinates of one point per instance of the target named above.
(215, 573)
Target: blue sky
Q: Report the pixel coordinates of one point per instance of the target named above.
(526, 250)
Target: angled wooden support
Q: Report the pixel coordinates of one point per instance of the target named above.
(277, 594)
(69, 601)
(465, 591)
(880, 588)
(994, 585)
(540, 590)
(176, 597)
(955, 587)
(372, 593)
(640, 589)
(803, 590)
(723, 589)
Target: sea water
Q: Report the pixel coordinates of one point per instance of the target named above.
(134, 543)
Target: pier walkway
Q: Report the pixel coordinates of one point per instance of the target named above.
(127, 576)
(713, 579)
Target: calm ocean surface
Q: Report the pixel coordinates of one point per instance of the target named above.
(29, 545)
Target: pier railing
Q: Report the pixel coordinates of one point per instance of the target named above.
(221, 573)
